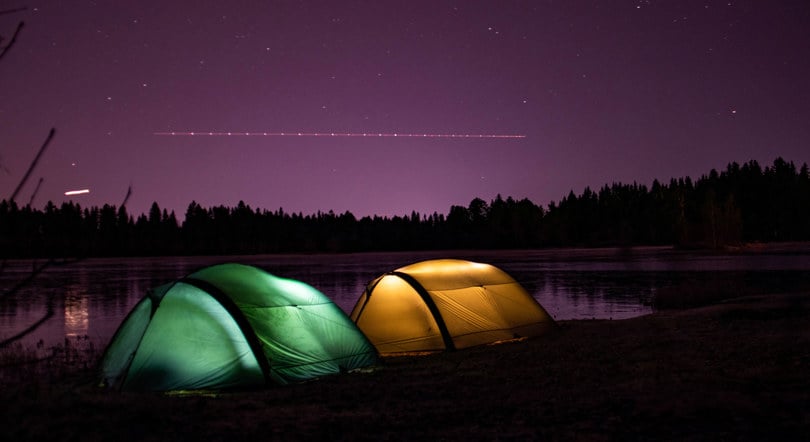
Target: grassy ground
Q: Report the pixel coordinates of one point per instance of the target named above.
(738, 370)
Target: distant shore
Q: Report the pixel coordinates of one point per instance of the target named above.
(734, 370)
(726, 209)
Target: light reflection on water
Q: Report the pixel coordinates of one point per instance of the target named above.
(91, 297)
(77, 314)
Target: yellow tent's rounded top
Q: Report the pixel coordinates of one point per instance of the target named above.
(451, 274)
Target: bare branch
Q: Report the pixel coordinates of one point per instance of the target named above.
(31, 328)
(5, 49)
(36, 190)
(49, 304)
(34, 273)
(12, 11)
(33, 164)
(4, 168)
(129, 194)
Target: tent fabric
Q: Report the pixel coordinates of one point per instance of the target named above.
(446, 304)
(228, 326)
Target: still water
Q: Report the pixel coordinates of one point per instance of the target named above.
(90, 298)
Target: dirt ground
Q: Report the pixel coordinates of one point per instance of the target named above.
(739, 370)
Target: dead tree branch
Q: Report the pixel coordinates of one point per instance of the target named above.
(33, 164)
(126, 198)
(13, 40)
(35, 192)
(12, 11)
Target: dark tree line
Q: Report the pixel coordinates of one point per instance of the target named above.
(743, 203)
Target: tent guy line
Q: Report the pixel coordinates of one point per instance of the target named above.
(331, 134)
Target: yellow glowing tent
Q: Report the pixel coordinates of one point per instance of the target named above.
(446, 304)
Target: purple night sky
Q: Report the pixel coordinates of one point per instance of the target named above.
(604, 91)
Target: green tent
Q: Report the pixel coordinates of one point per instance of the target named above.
(232, 325)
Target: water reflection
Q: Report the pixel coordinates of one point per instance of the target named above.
(91, 297)
(77, 316)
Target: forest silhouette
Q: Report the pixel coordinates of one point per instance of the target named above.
(742, 204)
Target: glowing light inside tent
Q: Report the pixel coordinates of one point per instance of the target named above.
(77, 192)
(333, 134)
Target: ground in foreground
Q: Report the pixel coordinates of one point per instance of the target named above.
(736, 370)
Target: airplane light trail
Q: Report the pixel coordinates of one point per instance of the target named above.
(77, 192)
(330, 134)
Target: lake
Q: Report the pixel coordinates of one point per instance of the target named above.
(90, 298)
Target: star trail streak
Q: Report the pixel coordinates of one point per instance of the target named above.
(77, 192)
(332, 134)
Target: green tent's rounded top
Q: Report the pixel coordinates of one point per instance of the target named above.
(250, 286)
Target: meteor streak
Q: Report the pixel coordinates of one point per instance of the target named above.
(76, 192)
(331, 134)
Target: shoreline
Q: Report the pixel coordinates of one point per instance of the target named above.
(732, 370)
(612, 251)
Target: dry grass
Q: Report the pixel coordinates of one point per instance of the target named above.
(75, 357)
